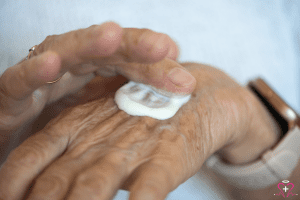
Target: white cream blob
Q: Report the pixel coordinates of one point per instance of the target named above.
(141, 100)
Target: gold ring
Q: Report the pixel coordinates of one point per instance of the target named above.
(54, 80)
(28, 57)
(31, 51)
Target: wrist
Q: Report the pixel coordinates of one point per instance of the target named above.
(262, 134)
(271, 118)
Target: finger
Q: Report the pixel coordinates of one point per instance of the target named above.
(57, 179)
(165, 171)
(152, 182)
(166, 75)
(20, 81)
(147, 46)
(27, 161)
(173, 50)
(79, 46)
(103, 180)
(108, 43)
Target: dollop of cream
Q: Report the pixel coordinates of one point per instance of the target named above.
(138, 99)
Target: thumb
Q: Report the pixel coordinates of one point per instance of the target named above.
(167, 76)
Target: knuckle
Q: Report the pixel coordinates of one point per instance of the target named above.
(91, 181)
(48, 39)
(8, 123)
(76, 35)
(153, 190)
(117, 158)
(45, 45)
(93, 26)
(90, 177)
(50, 185)
(25, 157)
(89, 32)
(146, 30)
(164, 173)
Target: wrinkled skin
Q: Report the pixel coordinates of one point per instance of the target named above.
(76, 56)
(93, 149)
(106, 49)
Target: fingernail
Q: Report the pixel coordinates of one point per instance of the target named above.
(180, 77)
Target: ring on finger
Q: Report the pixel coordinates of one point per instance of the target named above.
(30, 54)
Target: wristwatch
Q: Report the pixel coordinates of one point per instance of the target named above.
(276, 164)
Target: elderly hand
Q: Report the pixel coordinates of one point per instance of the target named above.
(92, 150)
(106, 49)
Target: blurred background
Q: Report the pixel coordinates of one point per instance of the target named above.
(245, 39)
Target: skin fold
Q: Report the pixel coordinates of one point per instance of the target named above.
(92, 149)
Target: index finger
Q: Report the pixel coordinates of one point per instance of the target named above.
(109, 43)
